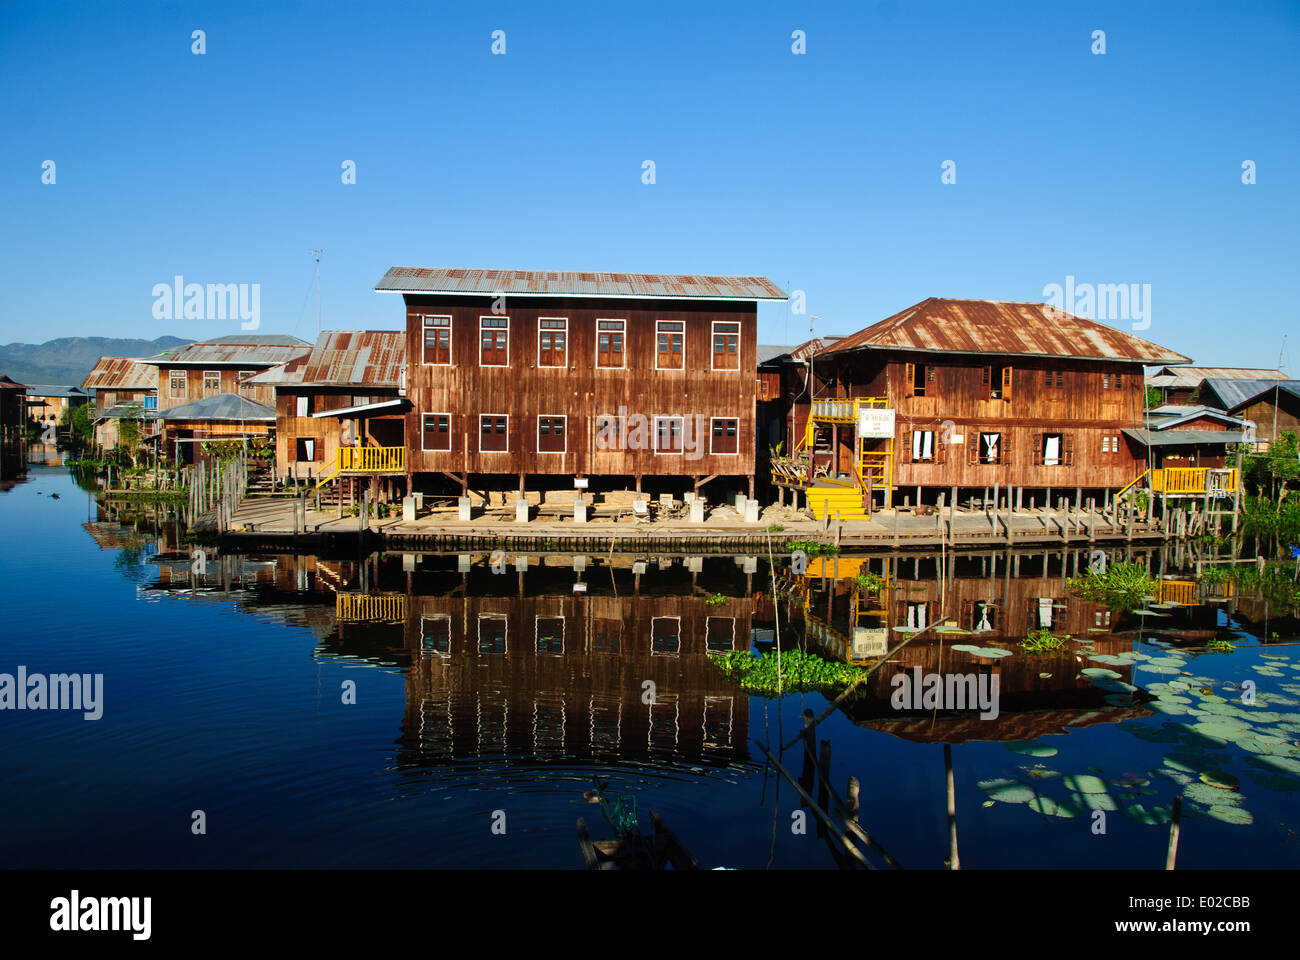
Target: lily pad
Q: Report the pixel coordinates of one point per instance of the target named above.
(1008, 791)
(1031, 749)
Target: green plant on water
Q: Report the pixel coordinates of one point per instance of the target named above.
(715, 600)
(1223, 646)
(1123, 586)
(800, 672)
(775, 528)
(1042, 640)
(871, 582)
(812, 548)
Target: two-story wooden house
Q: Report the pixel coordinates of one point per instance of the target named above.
(549, 378)
(122, 388)
(970, 394)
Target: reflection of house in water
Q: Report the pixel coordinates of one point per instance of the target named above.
(520, 665)
(995, 597)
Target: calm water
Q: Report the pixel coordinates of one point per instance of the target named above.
(479, 692)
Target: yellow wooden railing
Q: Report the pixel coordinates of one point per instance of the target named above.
(1133, 483)
(370, 608)
(364, 460)
(878, 465)
(1191, 480)
(1179, 591)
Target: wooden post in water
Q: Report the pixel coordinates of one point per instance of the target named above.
(954, 861)
(1174, 821)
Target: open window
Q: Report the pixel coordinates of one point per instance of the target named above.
(988, 446)
(306, 449)
(1054, 449)
(998, 380)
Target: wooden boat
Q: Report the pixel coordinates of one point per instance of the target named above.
(632, 851)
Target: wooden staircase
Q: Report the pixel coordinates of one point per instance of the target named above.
(829, 496)
(343, 490)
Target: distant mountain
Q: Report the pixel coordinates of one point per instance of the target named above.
(68, 359)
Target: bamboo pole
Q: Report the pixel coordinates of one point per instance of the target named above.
(954, 861)
(1174, 822)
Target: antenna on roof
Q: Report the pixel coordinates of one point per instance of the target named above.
(1281, 354)
(317, 254)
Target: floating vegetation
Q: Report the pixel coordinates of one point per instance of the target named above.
(800, 672)
(812, 548)
(1031, 749)
(1222, 646)
(1124, 586)
(1042, 641)
(871, 582)
(716, 600)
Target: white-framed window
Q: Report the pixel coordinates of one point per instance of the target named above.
(435, 635)
(493, 432)
(717, 721)
(211, 382)
(492, 633)
(726, 345)
(666, 635)
(922, 445)
(724, 435)
(611, 344)
(611, 432)
(552, 342)
(437, 341)
(668, 435)
(670, 345)
(242, 376)
(436, 432)
(550, 634)
(178, 382)
(494, 341)
(719, 633)
(552, 433)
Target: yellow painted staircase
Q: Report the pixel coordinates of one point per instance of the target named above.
(828, 496)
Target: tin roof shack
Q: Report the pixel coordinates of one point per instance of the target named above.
(226, 416)
(973, 393)
(347, 393)
(565, 376)
(47, 402)
(1190, 436)
(1273, 405)
(122, 387)
(220, 366)
(12, 408)
(1182, 385)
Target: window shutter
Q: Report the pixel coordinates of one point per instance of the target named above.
(907, 440)
(940, 447)
(1006, 383)
(1038, 448)
(909, 385)
(1006, 447)
(929, 373)
(973, 446)
(1047, 378)
(1067, 446)
(987, 374)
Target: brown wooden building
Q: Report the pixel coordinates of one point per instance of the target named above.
(555, 376)
(1274, 407)
(221, 366)
(973, 393)
(122, 387)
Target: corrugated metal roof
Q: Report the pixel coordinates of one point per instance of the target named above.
(9, 383)
(233, 352)
(222, 406)
(1192, 376)
(998, 327)
(133, 410)
(1234, 393)
(54, 390)
(369, 358)
(1171, 415)
(121, 373)
(282, 373)
(570, 283)
(1169, 438)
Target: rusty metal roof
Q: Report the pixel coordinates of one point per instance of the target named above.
(1192, 376)
(282, 373)
(999, 327)
(233, 351)
(120, 373)
(369, 358)
(570, 283)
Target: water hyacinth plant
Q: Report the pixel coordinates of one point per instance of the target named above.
(1123, 586)
(800, 672)
(1042, 640)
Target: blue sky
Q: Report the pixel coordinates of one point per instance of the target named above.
(821, 171)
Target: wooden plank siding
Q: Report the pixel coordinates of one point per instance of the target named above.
(327, 431)
(957, 402)
(195, 389)
(580, 390)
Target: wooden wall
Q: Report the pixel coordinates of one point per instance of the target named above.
(262, 393)
(581, 391)
(1262, 412)
(326, 431)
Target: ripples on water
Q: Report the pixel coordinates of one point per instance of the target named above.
(478, 693)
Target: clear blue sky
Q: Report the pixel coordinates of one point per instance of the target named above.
(820, 171)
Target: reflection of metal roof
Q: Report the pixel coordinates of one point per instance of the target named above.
(1028, 725)
(233, 351)
(997, 327)
(120, 373)
(1192, 376)
(369, 358)
(569, 283)
(1170, 438)
(1234, 393)
(223, 406)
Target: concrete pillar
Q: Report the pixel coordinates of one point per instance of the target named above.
(697, 511)
(749, 564)
(579, 563)
(408, 562)
(751, 511)
(521, 511)
(462, 563)
(740, 503)
(463, 510)
(521, 563)
(408, 509)
(695, 564)
(579, 511)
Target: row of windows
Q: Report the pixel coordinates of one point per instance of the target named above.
(179, 382)
(553, 432)
(997, 380)
(553, 343)
(605, 634)
(1054, 449)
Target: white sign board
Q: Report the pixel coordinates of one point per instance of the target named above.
(875, 422)
(580, 483)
